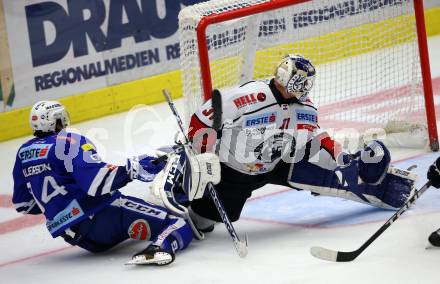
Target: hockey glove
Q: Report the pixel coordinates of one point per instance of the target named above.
(143, 168)
(434, 173)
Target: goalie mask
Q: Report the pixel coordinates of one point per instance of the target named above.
(45, 114)
(296, 74)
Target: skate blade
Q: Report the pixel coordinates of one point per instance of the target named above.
(160, 258)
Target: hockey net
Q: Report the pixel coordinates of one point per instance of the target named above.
(367, 54)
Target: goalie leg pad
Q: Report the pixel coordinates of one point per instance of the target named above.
(199, 170)
(373, 163)
(184, 178)
(167, 187)
(346, 182)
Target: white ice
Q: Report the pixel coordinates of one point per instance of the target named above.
(281, 224)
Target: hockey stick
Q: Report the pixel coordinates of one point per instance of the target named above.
(170, 102)
(240, 246)
(216, 101)
(342, 256)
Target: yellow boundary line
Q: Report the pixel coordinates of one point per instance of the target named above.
(122, 97)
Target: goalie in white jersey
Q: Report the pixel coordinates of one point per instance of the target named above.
(270, 134)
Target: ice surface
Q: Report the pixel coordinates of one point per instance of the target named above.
(282, 225)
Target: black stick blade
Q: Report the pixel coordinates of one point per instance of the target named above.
(216, 101)
(332, 255)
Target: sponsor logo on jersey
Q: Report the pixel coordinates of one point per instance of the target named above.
(258, 130)
(254, 168)
(261, 97)
(34, 152)
(307, 120)
(87, 147)
(249, 100)
(72, 212)
(308, 127)
(307, 116)
(261, 119)
(36, 170)
(139, 230)
(271, 149)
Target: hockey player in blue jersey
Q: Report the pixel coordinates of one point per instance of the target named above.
(60, 174)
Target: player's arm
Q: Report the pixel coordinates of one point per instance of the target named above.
(97, 177)
(200, 131)
(317, 139)
(22, 199)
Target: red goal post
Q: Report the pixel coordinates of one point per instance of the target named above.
(235, 10)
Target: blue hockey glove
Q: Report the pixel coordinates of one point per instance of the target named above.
(144, 167)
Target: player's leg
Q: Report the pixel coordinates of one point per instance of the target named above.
(131, 218)
(183, 182)
(175, 236)
(96, 234)
(234, 189)
(143, 221)
(364, 177)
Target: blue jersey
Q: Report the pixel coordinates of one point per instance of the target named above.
(63, 177)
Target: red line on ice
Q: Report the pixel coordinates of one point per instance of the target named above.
(21, 222)
(33, 256)
(6, 201)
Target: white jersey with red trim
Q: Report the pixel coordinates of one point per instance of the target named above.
(259, 127)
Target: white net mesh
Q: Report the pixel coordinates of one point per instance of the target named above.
(365, 53)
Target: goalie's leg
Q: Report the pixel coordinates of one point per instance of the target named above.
(366, 177)
(233, 190)
(184, 180)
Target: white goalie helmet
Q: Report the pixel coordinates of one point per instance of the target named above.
(45, 114)
(297, 74)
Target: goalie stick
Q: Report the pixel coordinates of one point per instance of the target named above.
(240, 246)
(342, 256)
